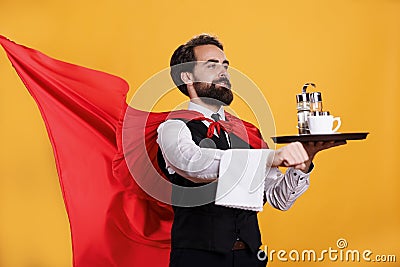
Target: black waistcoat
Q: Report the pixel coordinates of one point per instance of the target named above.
(209, 227)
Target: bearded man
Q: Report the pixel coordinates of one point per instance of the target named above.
(209, 233)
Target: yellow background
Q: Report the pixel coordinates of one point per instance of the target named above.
(350, 48)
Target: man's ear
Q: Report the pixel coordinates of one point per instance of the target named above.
(187, 77)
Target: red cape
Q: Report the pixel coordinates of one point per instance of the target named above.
(95, 136)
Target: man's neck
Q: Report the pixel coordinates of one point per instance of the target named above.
(213, 108)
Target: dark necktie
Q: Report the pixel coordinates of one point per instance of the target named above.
(215, 117)
(222, 135)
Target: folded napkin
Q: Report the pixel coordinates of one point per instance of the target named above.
(241, 178)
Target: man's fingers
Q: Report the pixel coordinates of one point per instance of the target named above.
(333, 144)
(294, 154)
(302, 151)
(339, 143)
(299, 153)
(301, 166)
(314, 147)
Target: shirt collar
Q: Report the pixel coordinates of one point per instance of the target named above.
(205, 111)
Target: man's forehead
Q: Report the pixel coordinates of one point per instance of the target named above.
(207, 52)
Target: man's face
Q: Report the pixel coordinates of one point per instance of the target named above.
(211, 78)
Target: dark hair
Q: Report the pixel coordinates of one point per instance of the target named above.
(185, 54)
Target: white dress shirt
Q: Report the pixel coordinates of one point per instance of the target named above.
(244, 175)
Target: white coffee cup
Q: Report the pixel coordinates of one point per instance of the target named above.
(323, 124)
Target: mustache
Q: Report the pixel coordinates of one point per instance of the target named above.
(223, 80)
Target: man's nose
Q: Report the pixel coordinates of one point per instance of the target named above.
(223, 72)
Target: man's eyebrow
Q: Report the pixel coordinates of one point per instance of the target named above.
(217, 61)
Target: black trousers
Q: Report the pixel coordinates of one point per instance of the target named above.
(202, 258)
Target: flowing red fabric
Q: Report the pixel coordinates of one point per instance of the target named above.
(114, 219)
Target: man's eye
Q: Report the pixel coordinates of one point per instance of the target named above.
(226, 66)
(212, 66)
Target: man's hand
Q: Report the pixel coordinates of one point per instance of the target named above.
(300, 155)
(313, 148)
(291, 155)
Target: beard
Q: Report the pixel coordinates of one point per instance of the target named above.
(213, 93)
